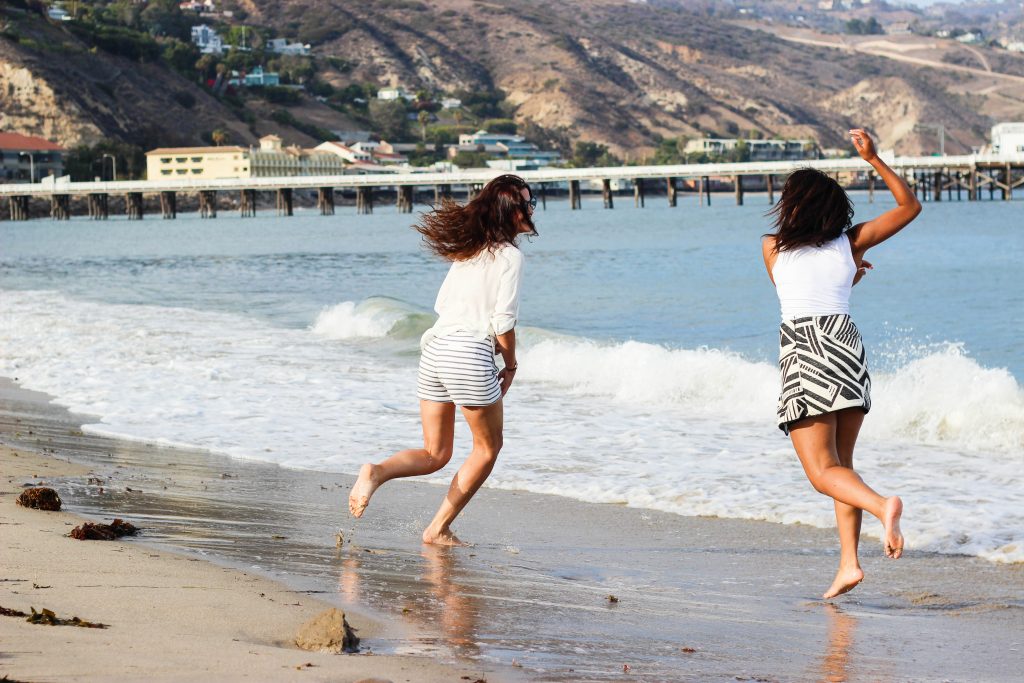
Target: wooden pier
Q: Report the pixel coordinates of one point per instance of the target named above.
(938, 178)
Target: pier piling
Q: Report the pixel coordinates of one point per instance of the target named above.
(60, 207)
(169, 205)
(19, 207)
(364, 200)
(403, 200)
(738, 183)
(544, 196)
(99, 206)
(247, 203)
(285, 205)
(208, 204)
(769, 184)
(574, 195)
(133, 206)
(606, 194)
(638, 193)
(672, 191)
(325, 201)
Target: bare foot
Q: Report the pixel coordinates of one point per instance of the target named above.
(362, 490)
(891, 522)
(441, 537)
(846, 580)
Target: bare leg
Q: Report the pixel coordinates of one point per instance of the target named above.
(438, 436)
(814, 439)
(848, 518)
(486, 424)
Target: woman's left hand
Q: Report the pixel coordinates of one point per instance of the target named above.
(862, 270)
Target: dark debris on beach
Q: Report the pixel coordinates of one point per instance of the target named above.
(40, 498)
(103, 532)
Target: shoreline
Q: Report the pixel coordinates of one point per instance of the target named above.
(170, 615)
(697, 598)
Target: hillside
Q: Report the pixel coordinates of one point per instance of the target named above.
(625, 74)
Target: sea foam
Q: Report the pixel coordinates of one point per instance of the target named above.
(689, 431)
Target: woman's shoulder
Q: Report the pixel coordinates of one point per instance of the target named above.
(510, 253)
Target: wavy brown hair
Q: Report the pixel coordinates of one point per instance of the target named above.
(458, 232)
(813, 209)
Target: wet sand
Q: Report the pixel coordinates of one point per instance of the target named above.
(171, 616)
(696, 598)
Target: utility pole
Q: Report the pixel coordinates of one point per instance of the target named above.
(938, 128)
(113, 163)
(31, 165)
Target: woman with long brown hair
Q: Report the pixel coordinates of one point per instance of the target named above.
(814, 258)
(477, 307)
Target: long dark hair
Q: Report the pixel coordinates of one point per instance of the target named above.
(813, 209)
(492, 218)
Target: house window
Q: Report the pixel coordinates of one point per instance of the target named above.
(165, 160)
(181, 160)
(196, 160)
(165, 171)
(197, 171)
(180, 171)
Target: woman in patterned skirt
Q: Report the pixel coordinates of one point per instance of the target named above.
(477, 308)
(814, 258)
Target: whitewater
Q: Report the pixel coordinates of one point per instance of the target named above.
(646, 365)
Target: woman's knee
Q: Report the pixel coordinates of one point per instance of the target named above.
(438, 457)
(490, 449)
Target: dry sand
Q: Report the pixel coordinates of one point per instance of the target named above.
(170, 617)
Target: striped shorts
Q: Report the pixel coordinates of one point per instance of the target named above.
(459, 368)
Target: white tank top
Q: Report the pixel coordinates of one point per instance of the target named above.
(814, 280)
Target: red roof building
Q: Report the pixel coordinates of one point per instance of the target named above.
(27, 158)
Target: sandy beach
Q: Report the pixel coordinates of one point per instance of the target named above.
(171, 616)
(695, 598)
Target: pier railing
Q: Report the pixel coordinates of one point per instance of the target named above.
(928, 175)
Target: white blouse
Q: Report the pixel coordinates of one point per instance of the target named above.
(814, 280)
(479, 295)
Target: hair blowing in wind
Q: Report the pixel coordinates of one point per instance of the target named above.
(461, 231)
(813, 209)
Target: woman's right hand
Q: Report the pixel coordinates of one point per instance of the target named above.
(505, 377)
(862, 141)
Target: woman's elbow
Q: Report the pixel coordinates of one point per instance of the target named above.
(502, 324)
(915, 208)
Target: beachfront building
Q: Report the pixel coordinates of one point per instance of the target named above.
(505, 147)
(760, 150)
(28, 159)
(281, 46)
(272, 159)
(348, 153)
(451, 103)
(207, 40)
(198, 162)
(256, 78)
(206, 6)
(394, 94)
(1008, 138)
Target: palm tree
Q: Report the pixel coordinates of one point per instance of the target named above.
(219, 136)
(423, 117)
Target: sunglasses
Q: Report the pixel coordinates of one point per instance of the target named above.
(531, 202)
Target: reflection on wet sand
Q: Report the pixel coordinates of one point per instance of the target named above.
(455, 609)
(433, 601)
(835, 663)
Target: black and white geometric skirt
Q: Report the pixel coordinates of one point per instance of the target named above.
(823, 368)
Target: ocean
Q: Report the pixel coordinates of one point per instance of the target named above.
(647, 374)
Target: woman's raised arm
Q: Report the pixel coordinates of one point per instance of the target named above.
(877, 230)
